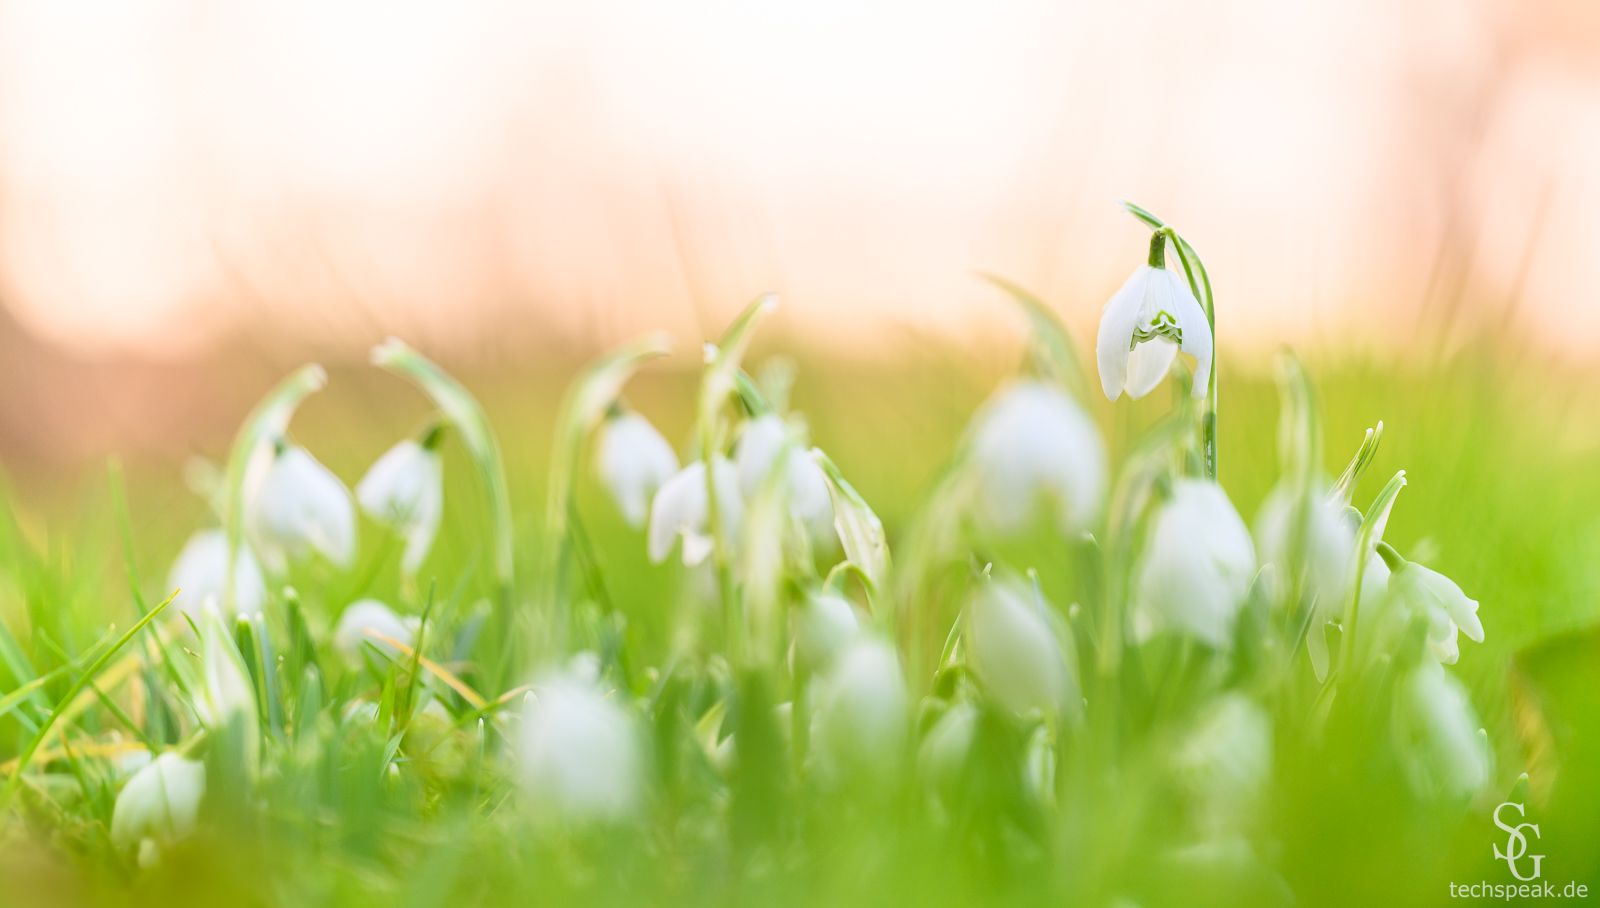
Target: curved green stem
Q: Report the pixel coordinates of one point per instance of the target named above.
(270, 419)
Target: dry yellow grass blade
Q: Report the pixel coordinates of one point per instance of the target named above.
(439, 671)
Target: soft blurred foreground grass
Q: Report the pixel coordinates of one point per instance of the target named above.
(1503, 456)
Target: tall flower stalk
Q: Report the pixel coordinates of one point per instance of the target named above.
(719, 382)
(265, 424)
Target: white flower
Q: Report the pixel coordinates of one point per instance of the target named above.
(862, 711)
(1142, 328)
(1197, 566)
(580, 755)
(405, 490)
(351, 634)
(1441, 601)
(633, 461)
(201, 573)
(823, 627)
(1226, 762)
(944, 750)
(1328, 544)
(158, 806)
(1437, 731)
(680, 509)
(302, 506)
(762, 442)
(1014, 651)
(1033, 440)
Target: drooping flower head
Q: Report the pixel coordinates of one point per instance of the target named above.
(633, 460)
(302, 507)
(1145, 324)
(1196, 567)
(404, 489)
(682, 508)
(1437, 732)
(580, 754)
(763, 442)
(1033, 442)
(159, 805)
(1311, 533)
(1439, 600)
(862, 711)
(201, 572)
(1014, 651)
(359, 623)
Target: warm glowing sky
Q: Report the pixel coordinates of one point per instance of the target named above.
(173, 171)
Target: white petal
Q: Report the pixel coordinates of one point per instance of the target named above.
(160, 802)
(679, 503)
(351, 635)
(1148, 364)
(1196, 331)
(762, 440)
(1014, 651)
(823, 627)
(201, 570)
(863, 710)
(1198, 564)
(405, 489)
(580, 754)
(1034, 440)
(633, 460)
(1117, 321)
(301, 505)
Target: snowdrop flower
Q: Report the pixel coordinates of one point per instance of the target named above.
(763, 441)
(351, 634)
(1014, 651)
(1327, 546)
(1438, 732)
(1197, 566)
(580, 755)
(944, 750)
(158, 806)
(633, 461)
(680, 509)
(1032, 440)
(1145, 324)
(302, 506)
(1226, 762)
(201, 573)
(405, 490)
(862, 709)
(1438, 599)
(823, 627)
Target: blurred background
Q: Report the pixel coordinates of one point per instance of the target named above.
(197, 196)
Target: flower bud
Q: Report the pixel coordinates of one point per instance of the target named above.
(201, 572)
(633, 461)
(1327, 543)
(404, 489)
(1013, 649)
(823, 627)
(159, 805)
(1033, 441)
(352, 634)
(862, 711)
(1196, 567)
(680, 508)
(1438, 735)
(1226, 762)
(301, 506)
(944, 749)
(765, 440)
(580, 755)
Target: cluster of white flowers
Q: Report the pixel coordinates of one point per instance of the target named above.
(1174, 564)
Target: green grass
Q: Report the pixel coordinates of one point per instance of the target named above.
(1501, 450)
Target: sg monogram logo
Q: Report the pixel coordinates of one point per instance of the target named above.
(1517, 845)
